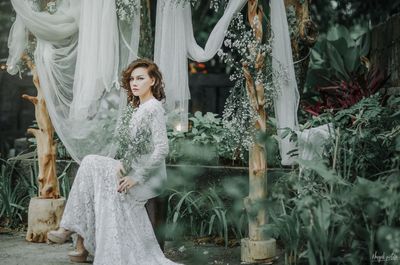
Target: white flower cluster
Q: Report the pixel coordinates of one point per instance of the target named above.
(238, 122)
(191, 2)
(34, 4)
(217, 4)
(40, 5)
(51, 7)
(127, 9)
(292, 21)
(240, 48)
(29, 50)
(214, 4)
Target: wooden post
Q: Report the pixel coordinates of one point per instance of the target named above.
(257, 248)
(45, 211)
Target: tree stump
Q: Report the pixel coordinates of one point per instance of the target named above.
(157, 211)
(44, 215)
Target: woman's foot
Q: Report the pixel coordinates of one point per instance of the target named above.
(59, 236)
(80, 253)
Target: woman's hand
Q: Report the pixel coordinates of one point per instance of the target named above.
(126, 183)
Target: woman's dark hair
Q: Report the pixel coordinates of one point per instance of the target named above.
(152, 69)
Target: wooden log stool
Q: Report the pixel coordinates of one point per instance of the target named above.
(157, 211)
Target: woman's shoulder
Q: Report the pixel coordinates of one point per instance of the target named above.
(153, 106)
(150, 109)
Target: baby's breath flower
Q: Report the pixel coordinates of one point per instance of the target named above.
(127, 9)
(241, 47)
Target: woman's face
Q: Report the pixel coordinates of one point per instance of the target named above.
(140, 83)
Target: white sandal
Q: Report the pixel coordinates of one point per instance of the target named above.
(58, 237)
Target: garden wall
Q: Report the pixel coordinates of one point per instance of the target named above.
(208, 92)
(16, 114)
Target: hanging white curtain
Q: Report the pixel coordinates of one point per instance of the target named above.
(170, 55)
(78, 63)
(97, 51)
(286, 103)
(175, 42)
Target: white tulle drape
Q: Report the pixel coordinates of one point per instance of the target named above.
(78, 57)
(16, 45)
(97, 62)
(286, 103)
(175, 43)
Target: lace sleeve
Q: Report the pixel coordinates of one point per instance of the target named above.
(161, 149)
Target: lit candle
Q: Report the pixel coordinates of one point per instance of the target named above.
(178, 127)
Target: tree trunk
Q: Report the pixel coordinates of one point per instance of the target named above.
(304, 37)
(46, 147)
(257, 248)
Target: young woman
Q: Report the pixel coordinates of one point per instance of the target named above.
(105, 206)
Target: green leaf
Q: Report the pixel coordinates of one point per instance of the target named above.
(328, 174)
(317, 60)
(340, 45)
(323, 214)
(217, 138)
(198, 115)
(338, 32)
(336, 61)
(365, 44)
(211, 224)
(352, 59)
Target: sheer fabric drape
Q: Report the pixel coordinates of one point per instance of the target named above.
(78, 57)
(286, 103)
(175, 43)
(82, 48)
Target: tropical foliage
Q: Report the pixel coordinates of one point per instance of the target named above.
(340, 74)
(18, 183)
(327, 13)
(339, 210)
(212, 212)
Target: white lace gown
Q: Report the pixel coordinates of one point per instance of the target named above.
(115, 226)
